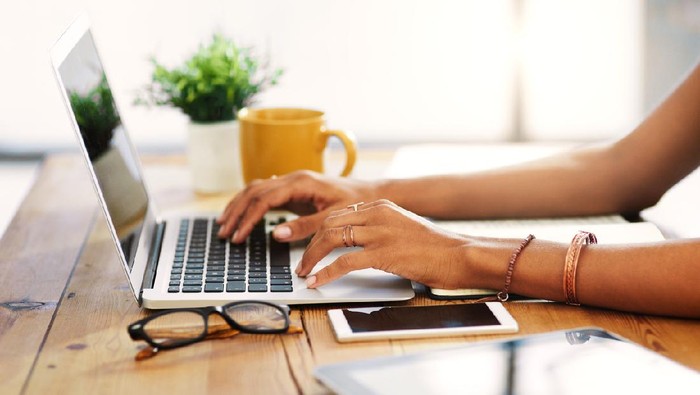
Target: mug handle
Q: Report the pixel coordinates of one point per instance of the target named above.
(349, 143)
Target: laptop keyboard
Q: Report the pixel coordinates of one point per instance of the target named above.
(205, 263)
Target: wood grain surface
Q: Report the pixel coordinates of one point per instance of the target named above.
(65, 305)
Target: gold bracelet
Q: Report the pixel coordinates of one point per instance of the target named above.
(571, 262)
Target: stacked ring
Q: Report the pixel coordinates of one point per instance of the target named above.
(347, 229)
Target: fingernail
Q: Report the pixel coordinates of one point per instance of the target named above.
(282, 232)
(310, 282)
(298, 269)
(234, 237)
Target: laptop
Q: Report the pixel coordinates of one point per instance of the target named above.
(176, 260)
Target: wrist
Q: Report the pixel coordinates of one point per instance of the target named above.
(486, 262)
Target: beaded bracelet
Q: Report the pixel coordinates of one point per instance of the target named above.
(571, 263)
(503, 295)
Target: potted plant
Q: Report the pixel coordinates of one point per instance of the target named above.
(210, 87)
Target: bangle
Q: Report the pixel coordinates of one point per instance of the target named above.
(571, 263)
(503, 295)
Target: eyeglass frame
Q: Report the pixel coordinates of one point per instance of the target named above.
(137, 332)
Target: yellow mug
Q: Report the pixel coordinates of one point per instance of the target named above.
(276, 141)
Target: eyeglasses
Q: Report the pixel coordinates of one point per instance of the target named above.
(170, 329)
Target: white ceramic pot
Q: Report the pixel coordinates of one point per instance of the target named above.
(214, 156)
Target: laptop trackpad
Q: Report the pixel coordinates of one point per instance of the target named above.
(358, 284)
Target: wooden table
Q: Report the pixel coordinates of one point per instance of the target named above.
(65, 305)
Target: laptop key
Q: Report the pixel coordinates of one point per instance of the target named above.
(280, 282)
(235, 286)
(279, 253)
(257, 288)
(191, 289)
(174, 289)
(213, 287)
(257, 281)
(281, 288)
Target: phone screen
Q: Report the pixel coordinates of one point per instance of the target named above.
(419, 317)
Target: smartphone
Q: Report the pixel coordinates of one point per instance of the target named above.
(375, 323)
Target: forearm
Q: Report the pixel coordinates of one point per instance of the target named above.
(570, 184)
(654, 278)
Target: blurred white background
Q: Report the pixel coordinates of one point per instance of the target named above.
(393, 71)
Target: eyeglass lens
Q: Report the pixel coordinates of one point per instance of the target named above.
(257, 316)
(175, 327)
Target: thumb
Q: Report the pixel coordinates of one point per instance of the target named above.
(300, 228)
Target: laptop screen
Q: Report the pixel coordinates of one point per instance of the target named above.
(104, 142)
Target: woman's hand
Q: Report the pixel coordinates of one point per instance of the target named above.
(311, 195)
(393, 239)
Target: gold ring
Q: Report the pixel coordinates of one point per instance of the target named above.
(352, 236)
(345, 237)
(355, 206)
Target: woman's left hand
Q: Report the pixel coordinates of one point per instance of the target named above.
(393, 239)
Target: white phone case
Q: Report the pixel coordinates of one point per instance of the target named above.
(344, 333)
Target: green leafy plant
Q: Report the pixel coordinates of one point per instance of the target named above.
(217, 81)
(97, 117)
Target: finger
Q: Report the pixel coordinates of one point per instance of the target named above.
(235, 208)
(355, 207)
(373, 204)
(323, 242)
(260, 204)
(345, 217)
(343, 265)
(228, 218)
(250, 188)
(299, 228)
(253, 211)
(341, 219)
(328, 240)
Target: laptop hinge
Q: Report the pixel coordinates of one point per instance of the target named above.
(149, 277)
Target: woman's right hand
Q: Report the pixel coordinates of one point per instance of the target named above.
(310, 195)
